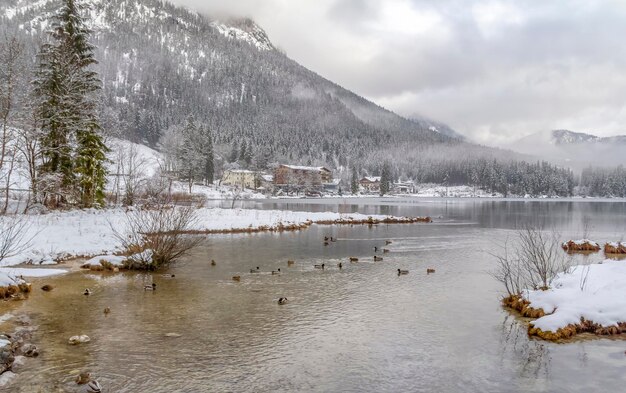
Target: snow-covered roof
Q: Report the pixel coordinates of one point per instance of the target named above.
(372, 179)
(306, 168)
(268, 178)
(242, 171)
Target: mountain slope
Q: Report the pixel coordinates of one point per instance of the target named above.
(161, 64)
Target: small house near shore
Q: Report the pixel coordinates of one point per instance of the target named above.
(242, 178)
(370, 183)
(301, 177)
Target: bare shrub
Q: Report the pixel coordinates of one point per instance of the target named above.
(155, 237)
(14, 237)
(533, 262)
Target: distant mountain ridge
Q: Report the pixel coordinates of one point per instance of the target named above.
(574, 148)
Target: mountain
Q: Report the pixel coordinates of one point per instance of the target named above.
(161, 64)
(576, 149)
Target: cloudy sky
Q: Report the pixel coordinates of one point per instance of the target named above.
(494, 70)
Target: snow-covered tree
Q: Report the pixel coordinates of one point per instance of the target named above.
(354, 182)
(66, 87)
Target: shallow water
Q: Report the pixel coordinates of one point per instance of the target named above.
(359, 329)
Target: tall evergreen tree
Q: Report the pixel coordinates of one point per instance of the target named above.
(209, 156)
(385, 179)
(66, 87)
(354, 183)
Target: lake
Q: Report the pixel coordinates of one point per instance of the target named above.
(361, 328)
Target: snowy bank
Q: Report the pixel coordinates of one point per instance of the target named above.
(615, 248)
(60, 235)
(588, 298)
(581, 245)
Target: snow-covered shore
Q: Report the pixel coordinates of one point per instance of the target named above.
(593, 293)
(88, 233)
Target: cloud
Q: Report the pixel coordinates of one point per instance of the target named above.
(494, 70)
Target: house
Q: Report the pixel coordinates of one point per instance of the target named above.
(333, 187)
(405, 187)
(242, 178)
(370, 183)
(267, 183)
(301, 177)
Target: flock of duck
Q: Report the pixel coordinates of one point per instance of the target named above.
(323, 266)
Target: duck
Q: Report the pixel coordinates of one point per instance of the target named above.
(340, 265)
(107, 310)
(83, 378)
(275, 272)
(236, 278)
(213, 263)
(375, 249)
(87, 292)
(290, 263)
(151, 287)
(257, 270)
(47, 288)
(388, 242)
(320, 266)
(428, 271)
(79, 339)
(354, 259)
(326, 243)
(282, 300)
(93, 387)
(333, 239)
(385, 250)
(377, 258)
(168, 275)
(326, 238)
(401, 272)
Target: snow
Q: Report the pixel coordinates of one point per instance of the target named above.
(594, 292)
(581, 242)
(87, 233)
(306, 168)
(114, 260)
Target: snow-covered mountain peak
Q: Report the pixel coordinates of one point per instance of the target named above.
(104, 13)
(245, 30)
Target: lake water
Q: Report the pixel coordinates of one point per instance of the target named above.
(359, 329)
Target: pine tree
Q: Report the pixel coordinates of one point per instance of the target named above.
(385, 179)
(234, 153)
(209, 166)
(66, 86)
(242, 151)
(354, 184)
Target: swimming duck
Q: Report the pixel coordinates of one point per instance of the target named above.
(151, 287)
(213, 262)
(47, 288)
(325, 238)
(326, 243)
(107, 310)
(320, 266)
(340, 265)
(87, 292)
(400, 272)
(385, 250)
(332, 239)
(388, 242)
(236, 278)
(375, 249)
(354, 259)
(83, 378)
(282, 300)
(93, 387)
(168, 275)
(428, 271)
(274, 272)
(257, 270)
(376, 258)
